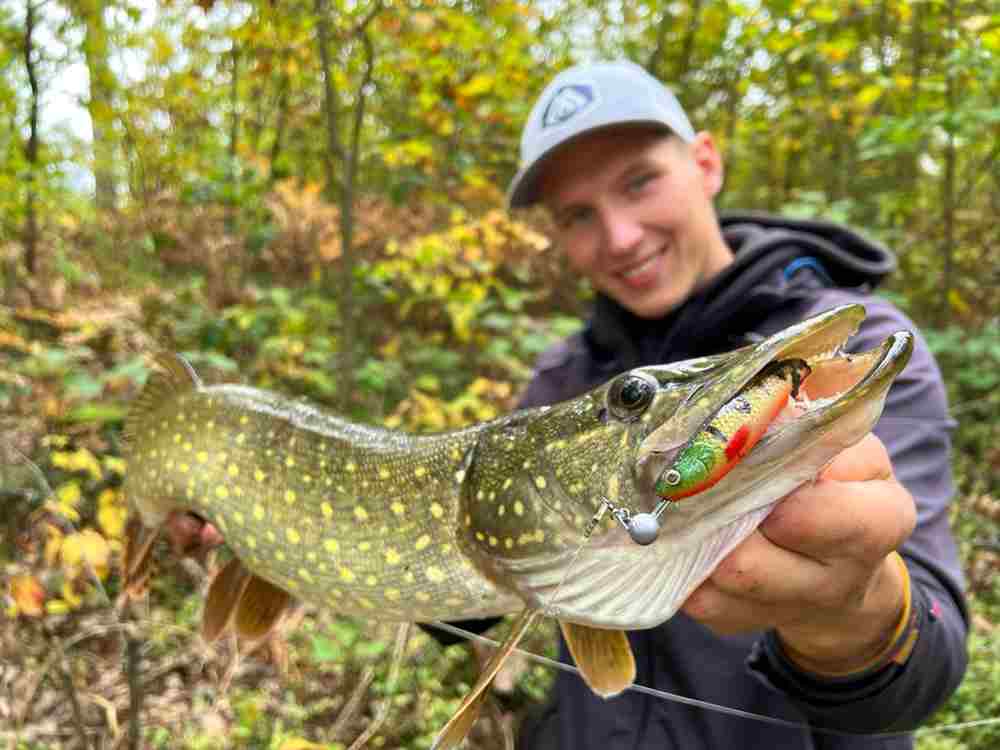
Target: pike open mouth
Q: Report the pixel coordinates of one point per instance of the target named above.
(784, 388)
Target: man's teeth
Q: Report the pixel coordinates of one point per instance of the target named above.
(641, 268)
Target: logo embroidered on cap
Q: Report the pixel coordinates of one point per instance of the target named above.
(568, 102)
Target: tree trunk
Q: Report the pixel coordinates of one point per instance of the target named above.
(31, 147)
(100, 103)
(948, 184)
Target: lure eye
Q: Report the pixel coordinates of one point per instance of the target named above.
(630, 395)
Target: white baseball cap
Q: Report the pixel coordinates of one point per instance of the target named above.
(585, 98)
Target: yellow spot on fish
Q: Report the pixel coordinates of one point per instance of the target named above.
(307, 478)
(508, 543)
(392, 556)
(422, 541)
(460, 476)
(366, 603)
(293, 536)
(539, 535)
(222, 492)
(518, 508)
(360, 513)
(422, 596)
(346, 574)
(233, 470)
(332, 546)
(408, 577)
(371, 581)
(507, 483)
(258, 511)
(187, 447)
(304, 575)
(290, 496)
(279, 556)
(271, 537)
(419, 471)
(392, 594)
(383, 473)
(501, 509)
(540, 482)
(244, 419)
(350, 467)
(468, 520)
(454, 601)
(397, 507)
(436, 510)
(327, 510)
(364, 546)
(493, 541)
(480, 536)
(251, 542)
(241, 438)
(259, 475)
(177, 437)
(238, 517)
(290, 461)
(434, 575)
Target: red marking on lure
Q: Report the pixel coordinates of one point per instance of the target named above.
(738, 442)
(732, 432)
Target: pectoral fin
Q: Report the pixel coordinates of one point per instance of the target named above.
(459, 725)
(224, 594)
(260, 607)
(603, 656)
(138, 559)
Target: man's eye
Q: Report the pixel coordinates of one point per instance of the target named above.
(638, 182)
(571, 218)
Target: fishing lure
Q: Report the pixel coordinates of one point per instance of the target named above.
(732, 431)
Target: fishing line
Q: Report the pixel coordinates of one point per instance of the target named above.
(708, 705)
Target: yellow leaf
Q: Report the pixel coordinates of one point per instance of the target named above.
(28, 595)
(85, 548)
(297, 743)
(69, 596)
(868, 95)
(111, 519)
(958, 304)
(69, 494)
(52, 545)
(476, 86)
(56, 607)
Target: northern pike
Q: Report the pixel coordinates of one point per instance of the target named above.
(507, 516)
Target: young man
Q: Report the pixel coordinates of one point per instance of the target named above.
(815, 618)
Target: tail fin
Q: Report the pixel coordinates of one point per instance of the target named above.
(173, 374)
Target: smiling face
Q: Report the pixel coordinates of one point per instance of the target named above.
(633, 212)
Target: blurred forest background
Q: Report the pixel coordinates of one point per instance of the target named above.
(308, 196)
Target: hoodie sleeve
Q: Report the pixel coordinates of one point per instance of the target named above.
(915, 428)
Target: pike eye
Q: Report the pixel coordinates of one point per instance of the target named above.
(630, 395)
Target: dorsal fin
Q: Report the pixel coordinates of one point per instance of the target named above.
(172, 375)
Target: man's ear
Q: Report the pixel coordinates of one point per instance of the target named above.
(709, 162)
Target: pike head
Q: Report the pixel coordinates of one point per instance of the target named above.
(536, 509)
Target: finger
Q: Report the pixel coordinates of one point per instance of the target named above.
(830, 520)
(728, 614)
(866, 459)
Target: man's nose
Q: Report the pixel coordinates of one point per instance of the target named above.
(621, 231)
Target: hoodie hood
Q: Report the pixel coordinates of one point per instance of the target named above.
(778, 262)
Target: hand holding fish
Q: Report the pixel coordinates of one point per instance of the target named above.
(819, 568)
